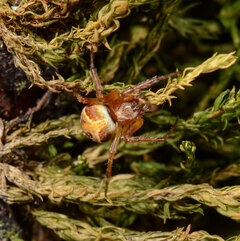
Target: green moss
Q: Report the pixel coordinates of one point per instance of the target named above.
(163, 191)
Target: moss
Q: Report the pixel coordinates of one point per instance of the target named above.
(160, 191)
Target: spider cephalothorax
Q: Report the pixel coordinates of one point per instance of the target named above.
(118, 113)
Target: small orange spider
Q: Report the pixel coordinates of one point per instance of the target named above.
(118, 113)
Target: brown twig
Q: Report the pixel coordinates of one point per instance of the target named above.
(31, 111)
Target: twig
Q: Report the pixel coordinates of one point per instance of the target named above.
(31, 111)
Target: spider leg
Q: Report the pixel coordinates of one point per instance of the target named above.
(85, 100)
(128, 138)
(148, 83)
(95, 77)
(112, 151)
(129, 130)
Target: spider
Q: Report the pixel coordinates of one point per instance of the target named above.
(118, 113)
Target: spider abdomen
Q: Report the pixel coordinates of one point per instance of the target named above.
(97, 123)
